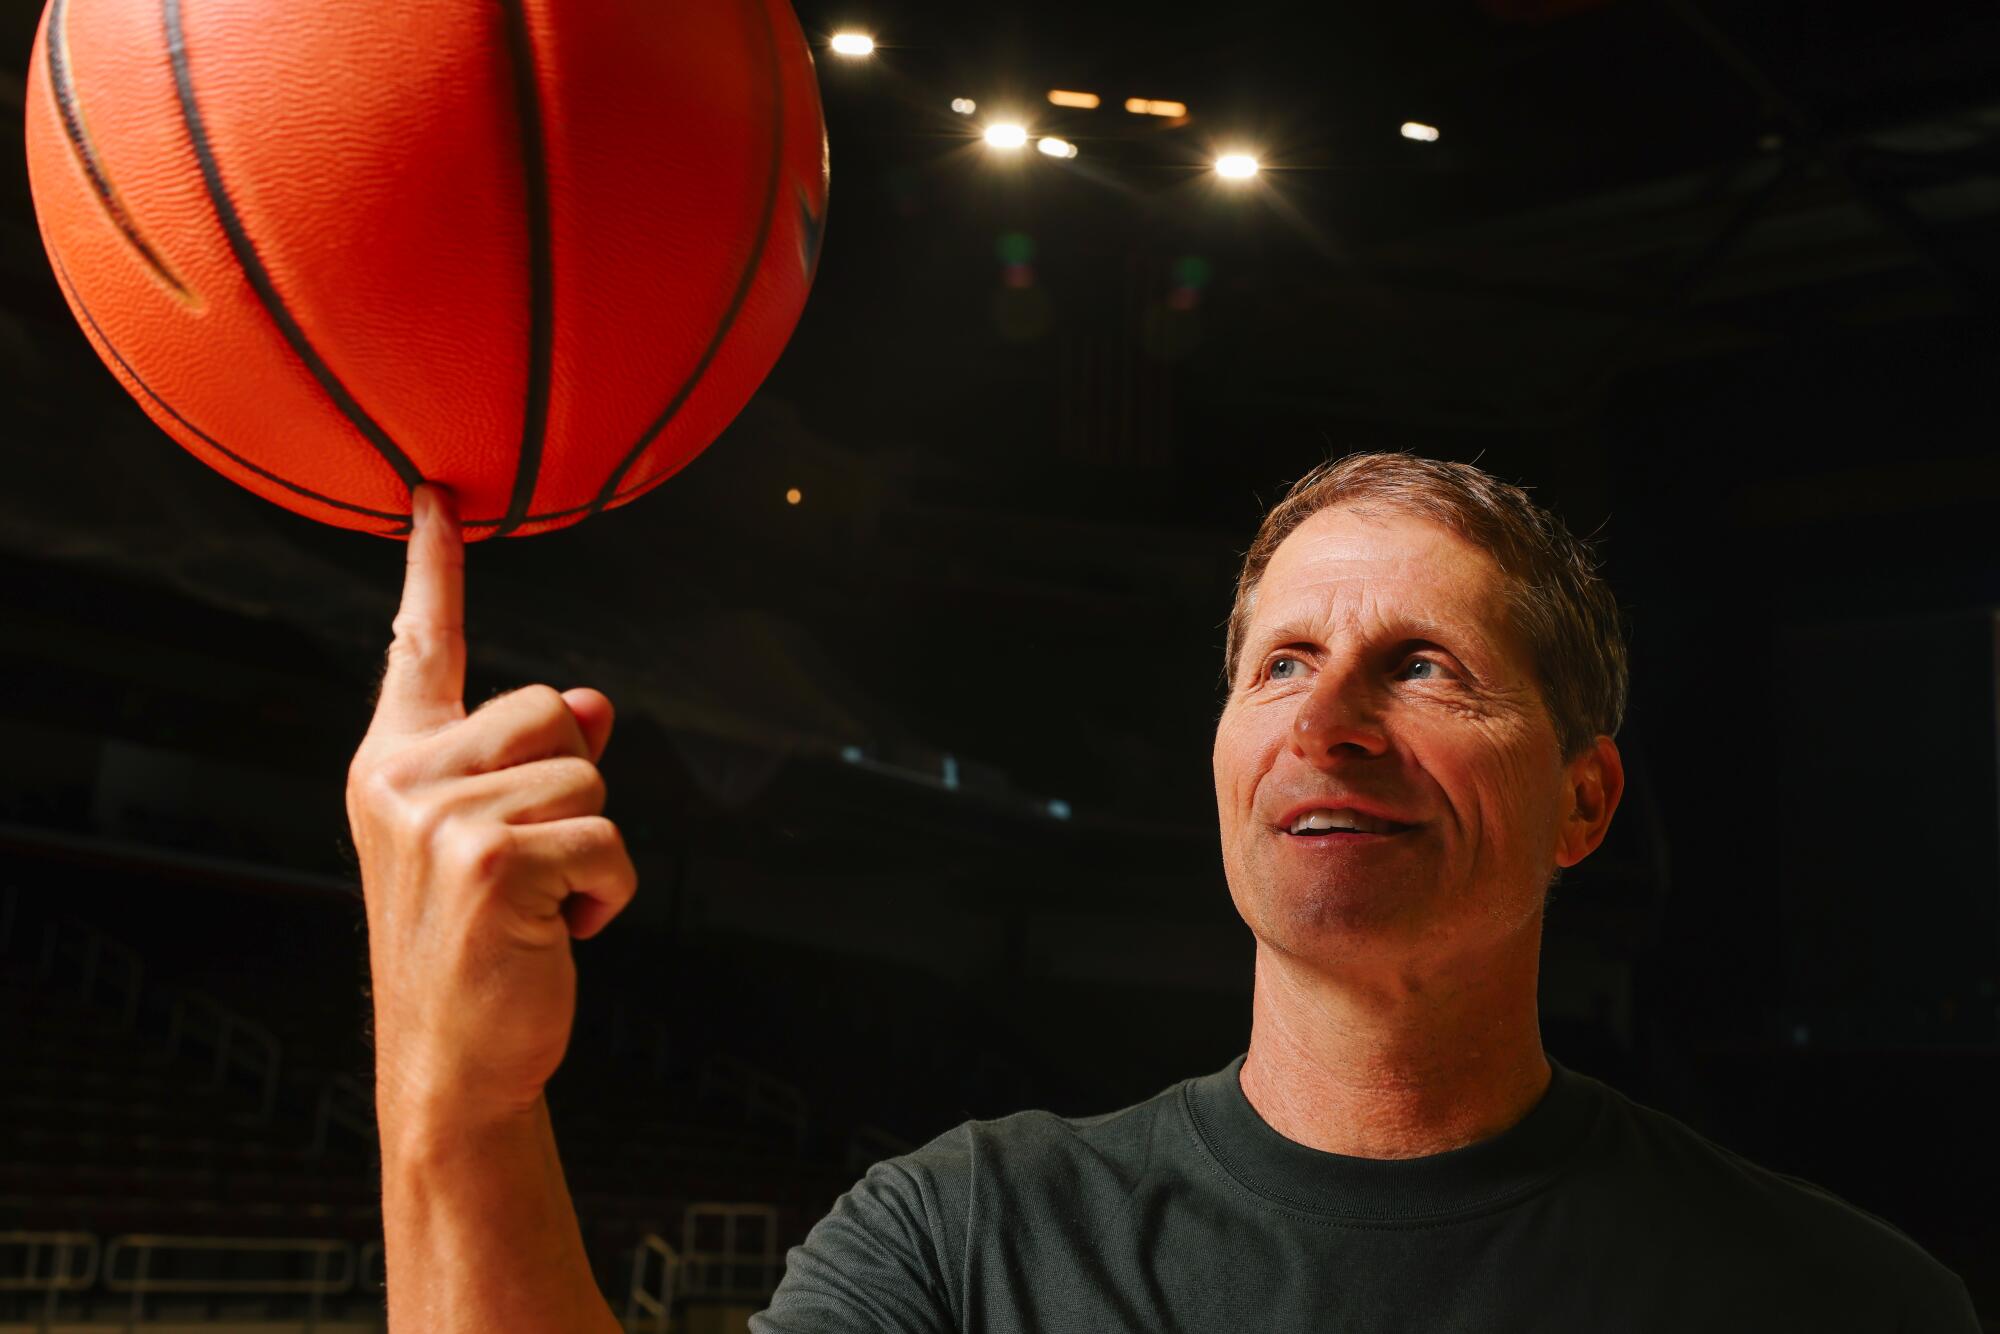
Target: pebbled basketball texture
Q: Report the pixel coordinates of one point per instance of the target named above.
(540, 251)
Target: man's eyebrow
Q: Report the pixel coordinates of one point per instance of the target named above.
(1402, 628)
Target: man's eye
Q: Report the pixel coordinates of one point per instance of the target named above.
(1277, 663)
(1430, 672)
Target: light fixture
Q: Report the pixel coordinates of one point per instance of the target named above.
(1236, 166)
(1422, 133)
(1064, 98)
(1140, 106)
(1006, 135)
(852, 44)
(1055, 147)
(793, 495)
(964, 106)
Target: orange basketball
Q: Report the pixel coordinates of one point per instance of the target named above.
(540, 251)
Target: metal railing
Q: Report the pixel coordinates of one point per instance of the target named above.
(733, 1268)
(657, 1308)
(238, 1043)
(60, 1246)
(59, 1278)
(313, 1257)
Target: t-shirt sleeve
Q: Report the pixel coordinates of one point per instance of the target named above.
(873, 1265)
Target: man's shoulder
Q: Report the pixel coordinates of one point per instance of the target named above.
(1036, 1144)
(1717, 1184)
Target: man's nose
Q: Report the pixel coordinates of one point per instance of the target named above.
(1340, 717)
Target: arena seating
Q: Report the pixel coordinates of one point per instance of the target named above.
(189, 1133)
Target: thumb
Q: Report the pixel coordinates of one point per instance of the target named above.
(593, 712)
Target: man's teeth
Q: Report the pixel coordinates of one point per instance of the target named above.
(1319, 821)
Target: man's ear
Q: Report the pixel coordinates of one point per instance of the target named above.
(1595, 781)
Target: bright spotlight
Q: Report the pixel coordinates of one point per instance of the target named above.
(1056, 147)
(1422, 133)
(1236, 166)
(852, 43)
(1006, 135)
(964, 106)
(793, 495)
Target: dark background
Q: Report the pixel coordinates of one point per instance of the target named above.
(1718, 282)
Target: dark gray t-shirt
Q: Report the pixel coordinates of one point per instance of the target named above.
(1187, 1212)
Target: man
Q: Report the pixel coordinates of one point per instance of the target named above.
(1425, 676)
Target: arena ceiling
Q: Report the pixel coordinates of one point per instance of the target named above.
(1009, 497)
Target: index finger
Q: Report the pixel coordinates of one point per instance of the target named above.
(424, 685)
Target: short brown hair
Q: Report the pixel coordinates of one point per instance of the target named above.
(1561, 606)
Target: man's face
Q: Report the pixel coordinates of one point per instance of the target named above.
(1380, 668)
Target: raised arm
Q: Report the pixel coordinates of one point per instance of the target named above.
(483, 850)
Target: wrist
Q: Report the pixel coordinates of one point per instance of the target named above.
(422, 1124)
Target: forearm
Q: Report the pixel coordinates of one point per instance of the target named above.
(479, 1232)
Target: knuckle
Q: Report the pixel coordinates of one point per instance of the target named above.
(388, 782)
(583, 778)
(598, 834)
(546, 699)
(412, 637)
(372, 781)
(480, 851)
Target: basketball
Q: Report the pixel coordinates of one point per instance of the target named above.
(540, 251)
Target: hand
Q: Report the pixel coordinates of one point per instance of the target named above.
(483, 849)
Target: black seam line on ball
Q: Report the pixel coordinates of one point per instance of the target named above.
(253, 267)
(541, 300)
(69, 286)
(608, 493)
(70, 112)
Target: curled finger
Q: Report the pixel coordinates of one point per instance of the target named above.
(584, 870)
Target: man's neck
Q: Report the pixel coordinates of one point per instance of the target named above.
(1390, 1070)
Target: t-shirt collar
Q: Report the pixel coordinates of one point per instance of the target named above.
(1477, 1178)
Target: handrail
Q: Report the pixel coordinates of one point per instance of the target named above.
(370, 1274)
(147, 1245)
(640, 1302)
(59, 1278)
(699, 1263)
(237, 1041)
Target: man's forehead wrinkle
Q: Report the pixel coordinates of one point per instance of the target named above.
(1411, 594)
(1320, 612)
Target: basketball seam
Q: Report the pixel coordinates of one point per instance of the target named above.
(111, 349)
(70, 112)
(541, 300)
(608, 492)
(253, 266)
